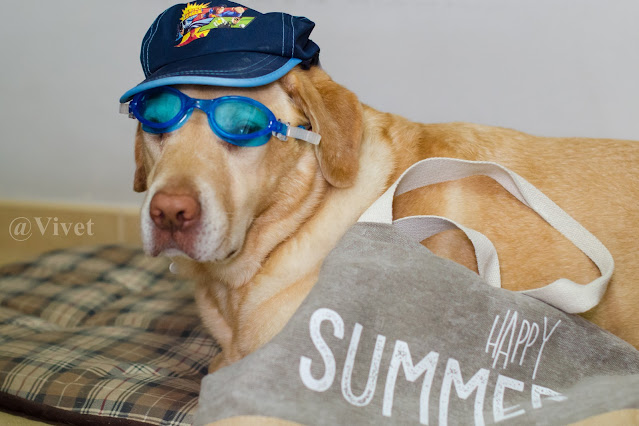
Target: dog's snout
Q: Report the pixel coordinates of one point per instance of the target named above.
(174, 212)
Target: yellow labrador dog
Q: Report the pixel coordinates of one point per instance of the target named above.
(252, 225)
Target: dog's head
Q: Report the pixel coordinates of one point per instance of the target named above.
(217, 202)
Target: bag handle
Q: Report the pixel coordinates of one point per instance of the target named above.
(563, 293)
(421, 227)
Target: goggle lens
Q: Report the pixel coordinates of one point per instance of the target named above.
(239, 118)
(159, 107)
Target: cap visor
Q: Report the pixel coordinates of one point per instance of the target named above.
(221, 69)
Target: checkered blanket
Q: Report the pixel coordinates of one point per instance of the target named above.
(101, 335)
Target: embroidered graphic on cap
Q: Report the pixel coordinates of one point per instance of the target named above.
(198, 19)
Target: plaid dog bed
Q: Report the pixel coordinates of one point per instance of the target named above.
(100, 335)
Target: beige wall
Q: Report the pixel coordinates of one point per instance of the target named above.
(30, 228)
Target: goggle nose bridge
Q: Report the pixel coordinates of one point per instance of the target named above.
(204, 105)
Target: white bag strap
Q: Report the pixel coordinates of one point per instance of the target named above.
(563, 293)
(421, 227)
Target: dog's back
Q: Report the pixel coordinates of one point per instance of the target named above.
(596, 181)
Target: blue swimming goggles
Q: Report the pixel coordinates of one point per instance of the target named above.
(238, 120)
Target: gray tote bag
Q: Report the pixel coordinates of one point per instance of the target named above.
(392, 334)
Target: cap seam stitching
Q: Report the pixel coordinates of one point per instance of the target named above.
(293, 39)
(207, 72)
(148, 45)
(283, 31)
(254, 66)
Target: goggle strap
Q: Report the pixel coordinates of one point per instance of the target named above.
(303, 134)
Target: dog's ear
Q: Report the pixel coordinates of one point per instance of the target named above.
(336, 114)
(139, 179)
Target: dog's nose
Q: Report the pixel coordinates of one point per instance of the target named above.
(174, 212)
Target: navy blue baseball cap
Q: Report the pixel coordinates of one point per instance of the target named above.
(222, 44)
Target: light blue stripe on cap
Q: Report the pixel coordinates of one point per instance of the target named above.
(213, 81)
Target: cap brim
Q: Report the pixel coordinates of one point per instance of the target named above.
(231, 69)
